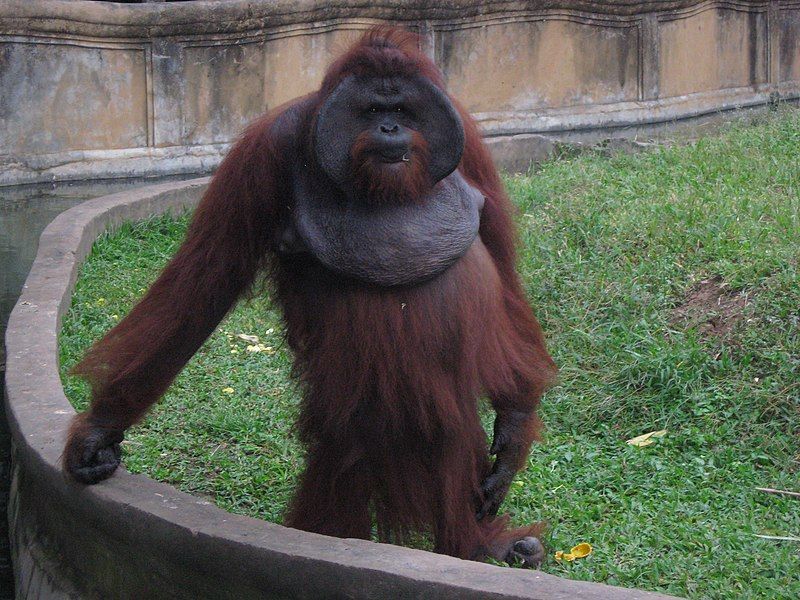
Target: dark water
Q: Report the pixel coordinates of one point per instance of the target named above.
(25, 211)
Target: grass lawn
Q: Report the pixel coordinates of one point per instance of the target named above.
(667, 283)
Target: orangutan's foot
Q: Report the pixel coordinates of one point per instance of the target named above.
(527, 553)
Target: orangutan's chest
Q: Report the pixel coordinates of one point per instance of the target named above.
(387, 245)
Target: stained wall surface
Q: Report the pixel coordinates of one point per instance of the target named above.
(90, 89)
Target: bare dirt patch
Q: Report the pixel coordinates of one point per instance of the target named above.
(712, 308)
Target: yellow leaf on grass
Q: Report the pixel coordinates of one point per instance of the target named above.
(253, 339)
(261, 348)
(227, 390)
(646, 438)
(582, 550)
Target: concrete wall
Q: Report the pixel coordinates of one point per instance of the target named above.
(90, 89)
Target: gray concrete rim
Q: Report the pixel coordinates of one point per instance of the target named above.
(181, 18)
(134, 537)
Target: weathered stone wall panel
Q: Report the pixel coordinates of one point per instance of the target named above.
(523, 65)
(226, 91)
(713, 49)
(60, 95)
(168, 67)
(789, 49)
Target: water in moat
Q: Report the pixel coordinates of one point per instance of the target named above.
(24, 213)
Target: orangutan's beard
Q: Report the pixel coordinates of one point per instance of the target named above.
(407, 180)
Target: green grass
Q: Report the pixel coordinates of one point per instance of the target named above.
(611, 246)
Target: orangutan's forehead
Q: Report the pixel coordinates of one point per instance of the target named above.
(397, 86)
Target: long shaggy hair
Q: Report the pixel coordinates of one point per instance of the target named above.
(382, 52)
(382, 182)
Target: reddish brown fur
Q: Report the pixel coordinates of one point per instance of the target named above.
(382, 52)
(397, 182)
(391, 375)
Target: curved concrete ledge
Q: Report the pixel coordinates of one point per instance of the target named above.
(131, 537)
(91, 89)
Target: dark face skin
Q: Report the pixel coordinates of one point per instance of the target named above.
(387, 114)
(388, 117)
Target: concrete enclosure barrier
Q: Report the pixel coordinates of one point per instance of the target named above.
(132, 537)
(91, 89)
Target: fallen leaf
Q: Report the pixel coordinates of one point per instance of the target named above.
(646, 438)
(227, 390)
(253, 339)
(261, 348)
(582, 550)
